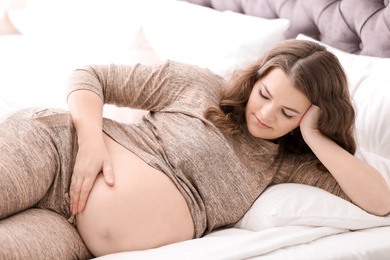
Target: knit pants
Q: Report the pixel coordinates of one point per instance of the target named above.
(38, 148)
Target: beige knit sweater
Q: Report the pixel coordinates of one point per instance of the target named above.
(220, 177)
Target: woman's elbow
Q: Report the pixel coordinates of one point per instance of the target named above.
(382, 207)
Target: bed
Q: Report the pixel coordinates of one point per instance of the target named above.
(288, 221)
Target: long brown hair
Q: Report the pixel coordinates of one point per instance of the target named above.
(315, 72)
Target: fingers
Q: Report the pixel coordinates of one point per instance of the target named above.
(79, 192)
(84, 193)
(74, 195)
(108, 174)
(81, 187)
(87, 167)
(309, 121)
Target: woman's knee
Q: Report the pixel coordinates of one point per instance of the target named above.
(40, 234)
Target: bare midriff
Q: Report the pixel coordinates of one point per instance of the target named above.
(143, 210)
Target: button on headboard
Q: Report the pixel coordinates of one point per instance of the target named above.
(355, 26)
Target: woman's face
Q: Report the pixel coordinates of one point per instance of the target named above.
(275, 107)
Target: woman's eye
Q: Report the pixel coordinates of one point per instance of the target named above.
(262, 95)
(286, 115)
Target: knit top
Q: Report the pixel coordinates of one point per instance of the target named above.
(219, 176)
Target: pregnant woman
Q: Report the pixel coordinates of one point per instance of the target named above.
(75, 185)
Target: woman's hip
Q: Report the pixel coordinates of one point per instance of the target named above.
(38, 149)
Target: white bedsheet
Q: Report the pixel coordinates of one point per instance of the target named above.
(367, 244)
(294, 242)
(232, 244)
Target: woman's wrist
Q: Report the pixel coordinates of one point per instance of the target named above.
(310, 135)
(89, 136)
(86, 109)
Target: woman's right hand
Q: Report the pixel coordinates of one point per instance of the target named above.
(92, 159)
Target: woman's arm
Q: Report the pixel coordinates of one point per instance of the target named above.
(363, 184)
(136, 86)
(92, 158)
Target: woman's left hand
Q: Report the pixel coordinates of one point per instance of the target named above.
(309, 121)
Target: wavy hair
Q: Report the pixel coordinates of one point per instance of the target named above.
(311, 69)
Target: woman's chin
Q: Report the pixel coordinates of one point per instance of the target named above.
(261, 133)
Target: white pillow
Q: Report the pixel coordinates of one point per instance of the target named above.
(292, 204)
(220, 41)
(61, 35)
(95, 24)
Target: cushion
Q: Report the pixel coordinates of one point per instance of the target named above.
(52, 45)
(98, 23)
(349, 25)
(291, 204)
(220, 41)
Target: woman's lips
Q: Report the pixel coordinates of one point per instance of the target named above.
(261, 124)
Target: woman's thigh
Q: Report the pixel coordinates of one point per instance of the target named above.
(144, 209)
(37, 149)
(40, 234)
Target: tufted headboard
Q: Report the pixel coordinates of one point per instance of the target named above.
(355, 26)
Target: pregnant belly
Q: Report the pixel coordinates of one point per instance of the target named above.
(143, 210)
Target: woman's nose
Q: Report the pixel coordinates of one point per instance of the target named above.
(268, 112)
